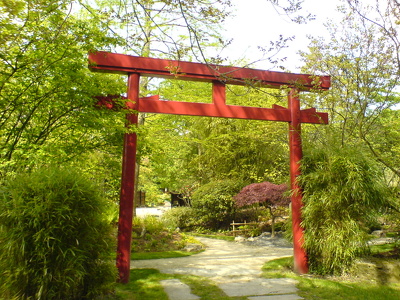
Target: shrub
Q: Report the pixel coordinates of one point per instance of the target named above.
(147, 224)
(55, 240)
(150, 234)
(180, 217)
(214, 204)
(343, 191)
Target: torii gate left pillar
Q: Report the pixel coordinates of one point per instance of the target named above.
(126, 204)
(135, 67)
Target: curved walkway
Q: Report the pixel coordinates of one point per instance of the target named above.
(235, 267)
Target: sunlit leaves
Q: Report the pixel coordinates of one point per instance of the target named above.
(187, 151)
(164, 28)
(55, 239)
(343, 191)
(361, 60)
(46, 89)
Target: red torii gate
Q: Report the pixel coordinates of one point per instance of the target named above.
(135, 67)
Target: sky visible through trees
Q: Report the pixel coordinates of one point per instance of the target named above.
(257, 22)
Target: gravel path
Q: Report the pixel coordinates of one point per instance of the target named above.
(234, 266)
(221, 261)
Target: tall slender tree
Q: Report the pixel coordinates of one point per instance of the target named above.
(362, 64)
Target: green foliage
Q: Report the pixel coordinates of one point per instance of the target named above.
(147, 224)
(343, 191)
(214, 204)
(150, 234)
(183, 218)
(251, 214)
(47, 108)
(176, 29)
(250, 230)
(192, 151)
(361, 59)
(55, 238)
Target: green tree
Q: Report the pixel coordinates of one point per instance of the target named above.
(46, 90)
(165, 29)
(384, 16)
(189, 151)
(362, 64)
(179, 30)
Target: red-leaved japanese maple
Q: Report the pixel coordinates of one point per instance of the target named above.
(272, 196)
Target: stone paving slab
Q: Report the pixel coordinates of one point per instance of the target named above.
(276, 297)
(260, 287)
(177, 290)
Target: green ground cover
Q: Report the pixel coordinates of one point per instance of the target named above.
(363, 282)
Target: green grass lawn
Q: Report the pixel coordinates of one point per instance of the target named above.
(314, 288)
(362, 286)
(145, 285)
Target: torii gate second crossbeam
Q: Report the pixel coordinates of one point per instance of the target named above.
(220, 76)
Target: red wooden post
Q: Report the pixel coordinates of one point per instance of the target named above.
(126, 204)
(219, 93)
(296, 153)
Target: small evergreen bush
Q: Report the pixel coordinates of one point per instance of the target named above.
(150, 234)
(182, 217)
(55, 238)
(147, 225)
(214, 204)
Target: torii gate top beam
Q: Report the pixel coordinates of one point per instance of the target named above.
(153, 67)
(219, 76)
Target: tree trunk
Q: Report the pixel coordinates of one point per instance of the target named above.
(272, 221)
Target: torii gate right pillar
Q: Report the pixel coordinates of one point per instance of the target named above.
(296, 153)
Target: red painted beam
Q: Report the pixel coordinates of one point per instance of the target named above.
(150, 105)
(211, 110)
(153, 67)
